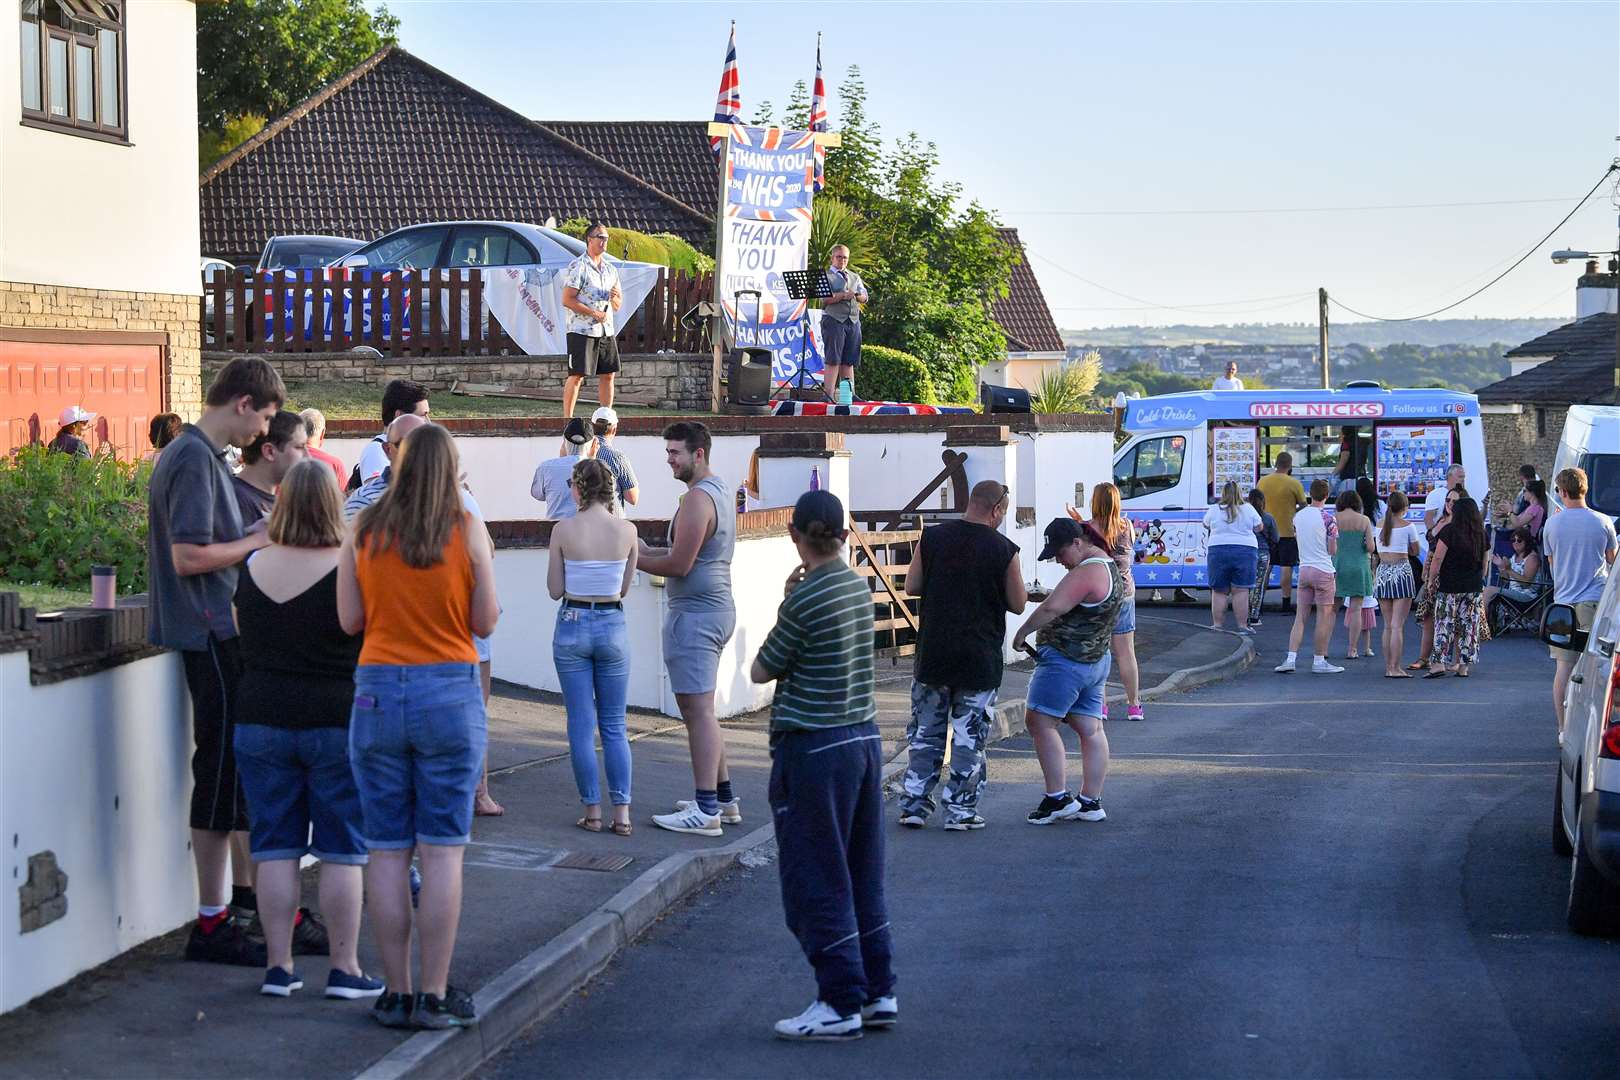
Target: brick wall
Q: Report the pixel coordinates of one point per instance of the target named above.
(1511, 440)
(59, 307)
(674, 381)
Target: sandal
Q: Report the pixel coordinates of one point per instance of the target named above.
(620, 828)
(589, 824)
(1442, 673)
(1418, 665)
(1396, 675)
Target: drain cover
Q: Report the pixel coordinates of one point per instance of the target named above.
(607, 864)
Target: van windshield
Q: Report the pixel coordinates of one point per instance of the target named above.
(1602, 482)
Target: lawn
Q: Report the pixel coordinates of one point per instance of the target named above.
(46, 597)
(351, 401)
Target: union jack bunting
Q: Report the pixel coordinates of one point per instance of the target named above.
(728, 103)
(818, 119)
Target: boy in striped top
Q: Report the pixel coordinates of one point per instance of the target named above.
(826, 787)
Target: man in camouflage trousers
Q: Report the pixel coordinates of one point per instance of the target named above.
(969, 578)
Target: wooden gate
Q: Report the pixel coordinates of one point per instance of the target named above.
(883, 559)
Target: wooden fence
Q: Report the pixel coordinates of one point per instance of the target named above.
(444, 313)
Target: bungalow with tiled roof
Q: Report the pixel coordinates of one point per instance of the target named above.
(1034, 344)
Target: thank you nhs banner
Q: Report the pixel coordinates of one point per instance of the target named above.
(765, 230)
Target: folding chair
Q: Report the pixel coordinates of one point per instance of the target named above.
(1520, 611)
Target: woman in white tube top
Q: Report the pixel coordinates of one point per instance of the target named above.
(593, 558)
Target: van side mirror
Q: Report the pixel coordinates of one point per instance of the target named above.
(1560, 629)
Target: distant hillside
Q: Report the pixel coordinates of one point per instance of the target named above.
(1373, 335)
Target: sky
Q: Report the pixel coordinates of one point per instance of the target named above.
(1108, 132)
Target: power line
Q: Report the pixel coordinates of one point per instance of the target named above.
(1614, 167)
(1282, 209)
(1190, 309)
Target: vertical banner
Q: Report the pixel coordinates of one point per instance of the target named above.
(764, 231)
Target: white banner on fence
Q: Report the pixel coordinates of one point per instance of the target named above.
(527, 302)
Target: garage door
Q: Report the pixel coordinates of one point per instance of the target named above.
(121, 382)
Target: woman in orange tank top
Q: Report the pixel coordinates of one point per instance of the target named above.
(417, 577)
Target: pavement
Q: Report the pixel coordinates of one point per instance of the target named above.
(533, 930)
(1300, 875)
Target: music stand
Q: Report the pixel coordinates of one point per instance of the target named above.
(805, 285)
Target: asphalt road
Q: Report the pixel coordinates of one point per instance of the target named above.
(1300, 876)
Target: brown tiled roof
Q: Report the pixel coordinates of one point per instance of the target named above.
(1581, 370)
(396, 141)
(671, 155)
(1023, 315)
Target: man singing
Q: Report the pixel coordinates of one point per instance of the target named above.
(591, 294)
(841, 322)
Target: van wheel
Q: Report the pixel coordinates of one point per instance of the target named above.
(1594, 904)
(1560, 839)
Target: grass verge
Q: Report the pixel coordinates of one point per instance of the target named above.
(360, 401)
(46, 597)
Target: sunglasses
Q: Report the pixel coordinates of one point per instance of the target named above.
(598, 236)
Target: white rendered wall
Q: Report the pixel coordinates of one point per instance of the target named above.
(96, 770)
(96, 215)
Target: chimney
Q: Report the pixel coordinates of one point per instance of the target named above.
(1595, 292)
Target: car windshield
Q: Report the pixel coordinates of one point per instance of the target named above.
(409, 250)
(1602, 482)
(308, 253)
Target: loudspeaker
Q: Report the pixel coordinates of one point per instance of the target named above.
(748, 375)
(1003, 399)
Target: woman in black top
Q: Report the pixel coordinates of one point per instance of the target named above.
(1456, 572)
(292, 731)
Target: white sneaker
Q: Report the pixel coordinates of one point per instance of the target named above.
(883, 1012)
(730, 812)
(690, 820)
(821, 1022)
(1322, 667)
(1284, 668)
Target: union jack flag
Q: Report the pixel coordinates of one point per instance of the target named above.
(728, 103)
(818, 119)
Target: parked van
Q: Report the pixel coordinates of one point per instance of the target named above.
(1182, 448)
(1591, 442)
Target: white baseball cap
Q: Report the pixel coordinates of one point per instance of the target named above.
(606, 415)
(73, 414)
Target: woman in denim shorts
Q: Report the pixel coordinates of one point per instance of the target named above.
(292, 737)
(593, 559)
(1233, 527)
(417, 576)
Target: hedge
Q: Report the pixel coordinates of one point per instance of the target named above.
(887, 374)
(61, 514)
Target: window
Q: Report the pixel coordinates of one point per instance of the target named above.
(1541, 423)
(416, 249)
(73, 76)
(1154, 465)
(480, 245)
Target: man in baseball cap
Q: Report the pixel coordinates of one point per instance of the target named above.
(552, 482)
(605, 425)
(72, 426)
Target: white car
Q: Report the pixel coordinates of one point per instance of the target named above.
(1586, 810)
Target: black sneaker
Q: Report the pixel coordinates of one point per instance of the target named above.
(393, 1010)
(225, 944)
(1089, 809)
(1053, 809)
(309, 936)
(455, 1009)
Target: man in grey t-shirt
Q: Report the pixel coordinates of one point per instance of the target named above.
(841, 322)
(1580, 547)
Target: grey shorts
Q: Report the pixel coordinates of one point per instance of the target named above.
(693, 641)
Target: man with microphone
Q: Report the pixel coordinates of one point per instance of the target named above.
(591, 294)
(841, 322)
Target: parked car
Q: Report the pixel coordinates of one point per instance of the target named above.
(464, 243)
(212, 265)
(1586, 800)
(304, 252)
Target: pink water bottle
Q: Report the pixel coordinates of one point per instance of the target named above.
(103, 586)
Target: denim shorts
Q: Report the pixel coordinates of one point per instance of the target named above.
(693, 641)
(416, 739)
(1231, 566)
(1062, 686)
(1125, 621)
(298, 782)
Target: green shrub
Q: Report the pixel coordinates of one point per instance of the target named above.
(59, 514)
(1068, 387)
(683, 256)
(888, 374)
(623, 243)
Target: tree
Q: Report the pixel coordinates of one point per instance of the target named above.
(261, 57)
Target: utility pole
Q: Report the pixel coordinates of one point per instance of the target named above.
(1321, 337)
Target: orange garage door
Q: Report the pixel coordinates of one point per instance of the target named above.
(121, 383)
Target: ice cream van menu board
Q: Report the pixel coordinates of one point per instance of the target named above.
(1237, 456)
(1413, 459)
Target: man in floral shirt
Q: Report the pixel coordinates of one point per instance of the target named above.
(591, 294)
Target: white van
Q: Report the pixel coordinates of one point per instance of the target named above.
(1182, 448)
(1591, 442)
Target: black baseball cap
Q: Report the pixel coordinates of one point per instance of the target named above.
(577, 431)
(1063, 531)
(822, 506)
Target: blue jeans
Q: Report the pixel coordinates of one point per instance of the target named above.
(416, 739)
(298, 782)
(591, 649)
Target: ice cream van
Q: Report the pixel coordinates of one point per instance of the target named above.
(1180, 450)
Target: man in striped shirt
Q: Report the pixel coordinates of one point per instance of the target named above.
(826, 780)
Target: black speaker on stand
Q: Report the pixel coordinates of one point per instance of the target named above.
(748, 382)
(1003, 399)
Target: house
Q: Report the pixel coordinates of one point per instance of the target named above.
(1034, 344)
(1523, 414)
(99, 278)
